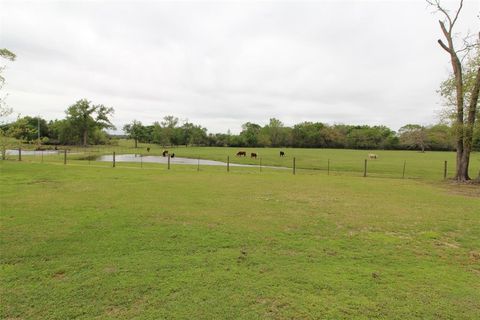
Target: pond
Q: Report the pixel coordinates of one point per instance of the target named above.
(173, 161)
(14, 152)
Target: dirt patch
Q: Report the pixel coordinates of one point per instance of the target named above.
(464, 189)
(59, 275)
(474, 256)
(113, 311)
(110, 270)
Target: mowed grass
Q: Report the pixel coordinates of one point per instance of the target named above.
(390, 163)
(89, 242)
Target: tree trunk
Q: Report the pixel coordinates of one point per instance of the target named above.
(457, 72)
(468, 134)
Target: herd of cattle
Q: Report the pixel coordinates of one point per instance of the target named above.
(254, 155)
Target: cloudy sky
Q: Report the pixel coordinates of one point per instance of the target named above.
(223, 63)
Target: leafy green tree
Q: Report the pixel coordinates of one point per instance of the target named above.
(440, 137)
(192, 134)
(250, 133)
(135, 131)
(169, 133)
(26, 128)
(413, 136)
(86, 118)
(275, 131)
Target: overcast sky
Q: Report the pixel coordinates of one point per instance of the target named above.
(223, 63)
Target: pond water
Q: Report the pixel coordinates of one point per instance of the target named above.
(14, 152)
(173, 161)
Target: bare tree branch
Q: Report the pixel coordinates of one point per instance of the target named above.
(458, 12)
(444, 46)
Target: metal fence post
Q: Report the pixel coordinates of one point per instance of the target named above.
(65, 156)
(168, 162)
(365, 169)
(328, 167)
(293, 165)
(113, 159)
(19, 154)
(228, 163)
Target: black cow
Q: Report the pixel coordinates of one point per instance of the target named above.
(282, 154)
(148, 149)
(173, 155)
(164, 153)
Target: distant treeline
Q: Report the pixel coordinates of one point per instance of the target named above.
(170, 132)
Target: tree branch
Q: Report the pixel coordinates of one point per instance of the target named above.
(444, 46)
(444, 30)
(458, 12)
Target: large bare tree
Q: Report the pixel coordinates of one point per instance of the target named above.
(466, 103)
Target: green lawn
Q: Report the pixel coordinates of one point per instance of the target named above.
(92, 242)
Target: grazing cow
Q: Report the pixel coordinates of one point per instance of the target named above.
(372, 156)
(253, 155)
(164, 153)
(282, 154)
(173, 155)
(241, 154)
(148, 149)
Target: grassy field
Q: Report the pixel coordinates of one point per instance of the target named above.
(91, 242)
(428, 165)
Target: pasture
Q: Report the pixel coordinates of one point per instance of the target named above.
(389, 164)
(85, 241)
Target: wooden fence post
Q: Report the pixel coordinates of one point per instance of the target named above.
(228, 163)
(260, 164)
(294, 165)
(19, 154)
(169, 162)
(113, 159)
(445, 170)
(365, 169)
(65, 156)
(328, 167)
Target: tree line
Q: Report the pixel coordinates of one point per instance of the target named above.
(86, 124)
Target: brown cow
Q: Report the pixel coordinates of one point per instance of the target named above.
(253, 155)
(241, 154)
(164, 153)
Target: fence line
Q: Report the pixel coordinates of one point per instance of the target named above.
(371, 168)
